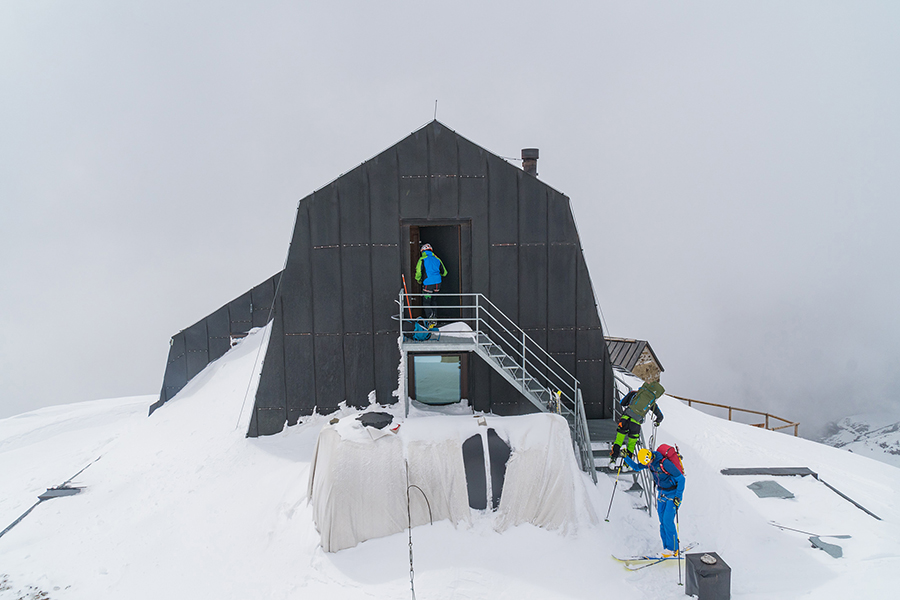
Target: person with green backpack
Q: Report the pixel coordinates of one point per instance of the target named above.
(635, 406)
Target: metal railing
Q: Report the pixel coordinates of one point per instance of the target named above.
(731, 409)
(511, 352)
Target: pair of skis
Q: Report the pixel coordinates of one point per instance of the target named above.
(636, 563)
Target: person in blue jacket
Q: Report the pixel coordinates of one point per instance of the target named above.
(430, 271)
(669, 479)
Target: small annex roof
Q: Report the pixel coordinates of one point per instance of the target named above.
(625, 352)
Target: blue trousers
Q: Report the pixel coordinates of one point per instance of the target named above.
(668, 533)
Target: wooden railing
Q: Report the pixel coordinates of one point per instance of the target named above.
(764, 425)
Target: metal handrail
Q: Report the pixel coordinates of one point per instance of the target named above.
(561, 382)
(515, 345)
(494, 306)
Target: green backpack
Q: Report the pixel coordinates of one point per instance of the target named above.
(644, 400)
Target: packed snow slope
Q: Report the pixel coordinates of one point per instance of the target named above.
(183, 505)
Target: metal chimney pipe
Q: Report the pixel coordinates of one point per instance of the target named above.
(529, 160)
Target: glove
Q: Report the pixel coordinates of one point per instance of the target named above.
(677, 502)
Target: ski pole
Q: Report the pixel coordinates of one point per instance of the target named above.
(615, 485)
(408, 307)
(678, 543)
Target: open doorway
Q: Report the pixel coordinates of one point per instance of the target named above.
(446, 242)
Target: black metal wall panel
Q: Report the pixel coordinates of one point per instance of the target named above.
(387, 359)
(473, 204)
(444, 182)
(299, 374)
(329, 352)
(533, 210)
(586, 311)
(504, 292)
(560, 222)
(353, 196)
(297, 281)
(273, 410)
(239, 314)
(267, 421)
(561, 298)
(359, 368)
(325, 218)
(567, 359)
(384, 194)
(532, 286)
(356, 287)
(412, 161)
(262, 297)
(479, 392)
(175, 376)
(327, 292)
(196, 343)
(218, 328)
(504, 398)
(386, 287)
(503, 203)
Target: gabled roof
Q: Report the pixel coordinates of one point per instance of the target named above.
(624, 352)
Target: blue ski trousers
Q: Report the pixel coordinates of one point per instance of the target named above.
(665, 507)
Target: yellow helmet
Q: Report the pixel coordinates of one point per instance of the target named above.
(644, 456)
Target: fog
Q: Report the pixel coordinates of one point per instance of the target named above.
(733, 168)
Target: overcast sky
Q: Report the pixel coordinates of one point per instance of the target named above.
(733, 168)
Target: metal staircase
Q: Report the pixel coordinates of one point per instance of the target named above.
(503, 345)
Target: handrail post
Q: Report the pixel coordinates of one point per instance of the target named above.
(524, 366)
(477, 318)
(767, 420)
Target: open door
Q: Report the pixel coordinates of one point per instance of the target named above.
(446, 242)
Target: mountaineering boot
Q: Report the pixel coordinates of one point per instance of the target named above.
(614, 454)
(669, 554)
(619, 464)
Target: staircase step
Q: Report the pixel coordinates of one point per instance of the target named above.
(544, 395)
(515, 371)
(533, 386)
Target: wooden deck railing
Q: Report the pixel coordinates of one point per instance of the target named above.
(764, 425)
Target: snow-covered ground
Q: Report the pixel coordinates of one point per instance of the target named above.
(873, 435)
(183, 505)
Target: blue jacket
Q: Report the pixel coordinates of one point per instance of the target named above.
(433, 269)
(667, 486)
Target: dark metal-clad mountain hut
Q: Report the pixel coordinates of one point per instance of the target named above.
(500, 232)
